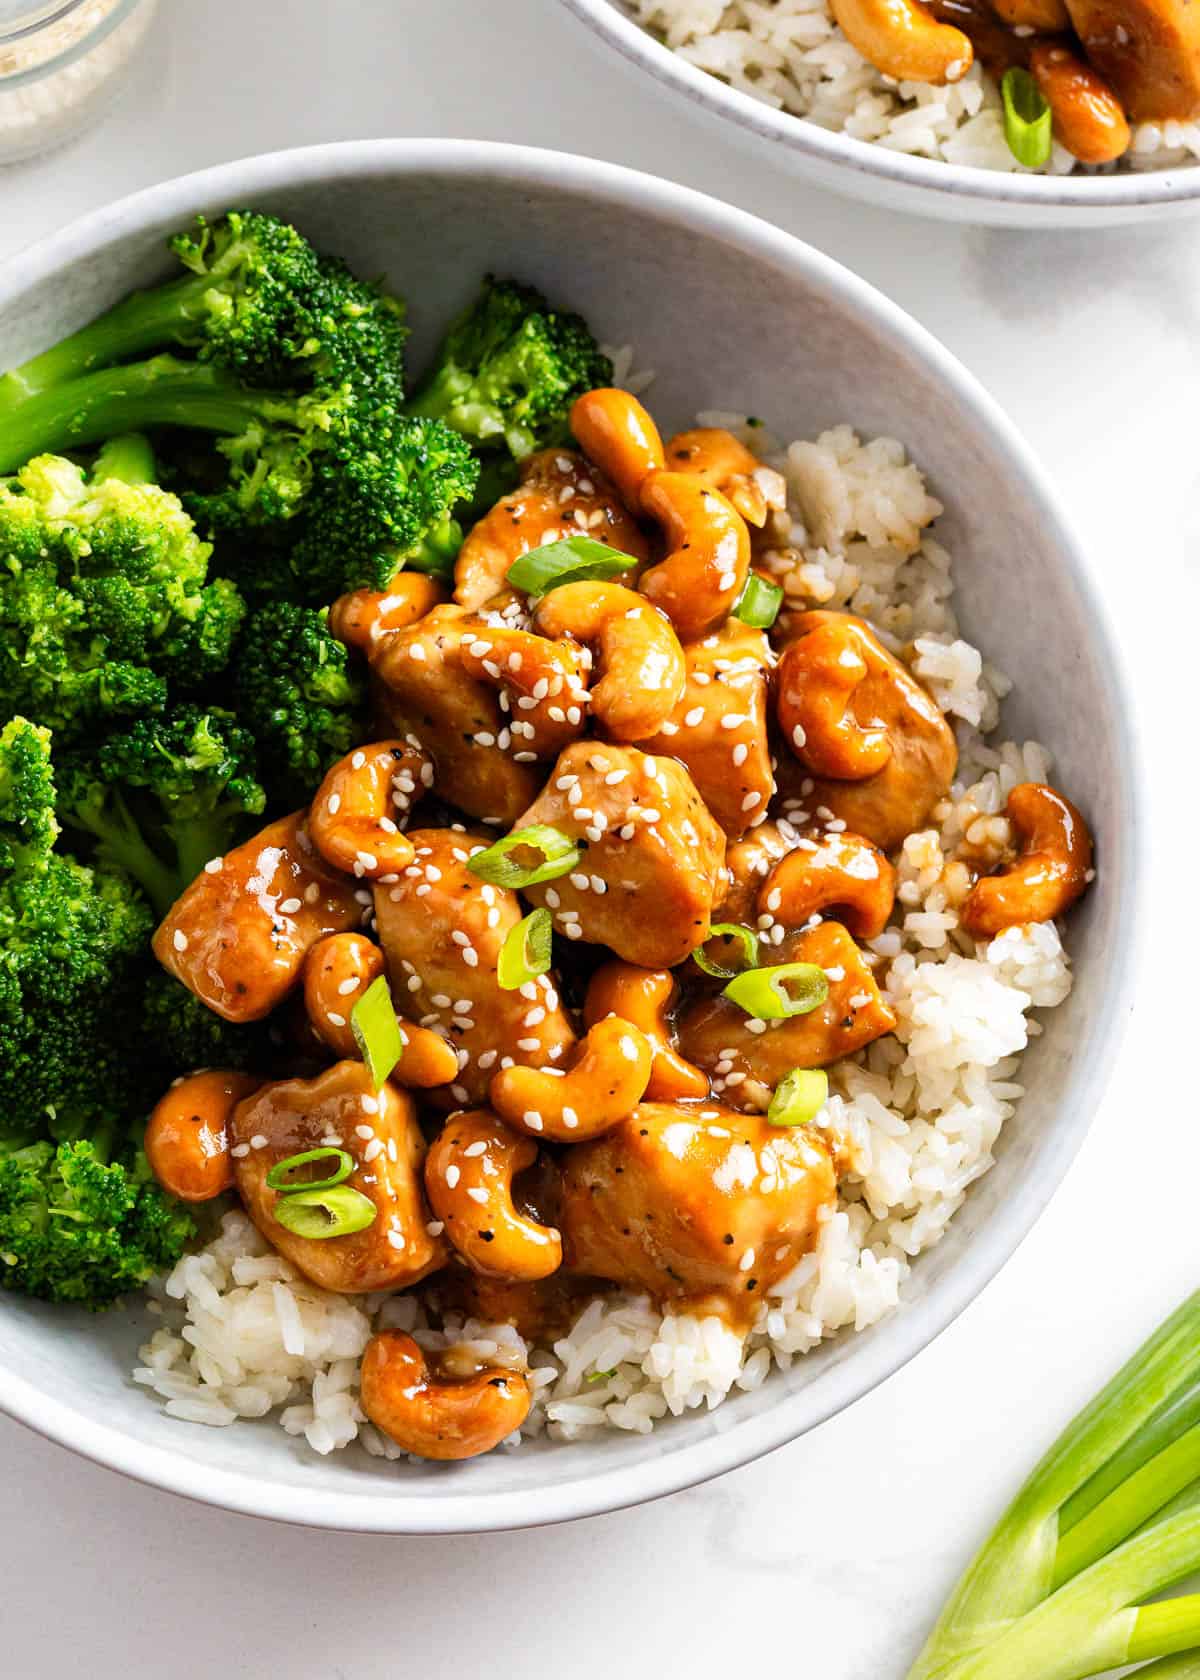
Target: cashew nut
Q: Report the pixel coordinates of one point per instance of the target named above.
(341, 1109)
(607, 1079)
(846, 704)
(1089, 120)
(336, 974)
(238, 936)
(361, 618)
(353, 818)
(717, 458)
(643, 997)
(187, 1139)
(831, 871)
(469, 1174)
(700, 579)
(616, 433)
(903, 39)
(560, 495)
(542, 685)
(1052, 868)
(639, 658)
(434, 1416)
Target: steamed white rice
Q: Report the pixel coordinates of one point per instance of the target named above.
(244, 1335)
(792, 55)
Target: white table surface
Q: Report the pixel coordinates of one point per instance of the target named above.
(831, 1556)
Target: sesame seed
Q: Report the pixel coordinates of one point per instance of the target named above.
(570, 1119)
(750, 801)
(528, 1044)
(477, 1193)
(740, 753)
(435, 1227)
(179, 940)
(258, 1141)
(348, 986)
(532, 1119)
(335, 804)
(334, 1019)
(214, 866)
(452, 1176)
(240, 1150)
(479, 1147)
(414, 982)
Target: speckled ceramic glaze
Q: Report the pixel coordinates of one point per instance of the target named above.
(893, 180)
(731, 314)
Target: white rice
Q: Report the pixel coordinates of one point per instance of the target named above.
(243, 1334)
(791, 54)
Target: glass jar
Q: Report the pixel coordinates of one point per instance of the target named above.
(61, 63)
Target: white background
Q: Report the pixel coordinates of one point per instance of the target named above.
(830, 1557)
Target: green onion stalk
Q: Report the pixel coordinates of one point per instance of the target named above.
(1108, 1520)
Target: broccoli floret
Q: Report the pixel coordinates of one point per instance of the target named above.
(509, 369)
(182, 1034)
(73, 952)
(165, 795)
(76, 1228)
(105, 595)
(255, 298)
(298, 693)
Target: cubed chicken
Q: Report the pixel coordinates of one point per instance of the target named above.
(1149, 50)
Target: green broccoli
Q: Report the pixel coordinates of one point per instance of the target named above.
(256, 298)
(105, 594)
(298, 693)
(73, 951)
(163, 796)
(181, 1033)
(509, 369)
(76, 1228)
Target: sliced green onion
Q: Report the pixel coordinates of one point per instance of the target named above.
(282, 1175)
(728, 930)
(326, 1213)
(526, 950)
(570, 560)
(774, 994)
(1027, 118)
(759, 603)
(799, 1097)
(559, 854)
(377, 1031)
(602, 1376)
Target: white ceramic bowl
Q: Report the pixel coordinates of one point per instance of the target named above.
(732, 314)
(893, 180)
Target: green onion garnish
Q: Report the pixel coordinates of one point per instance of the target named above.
(799, 1098)
(602, 1376)
(282, 1175)
(377, 1031)
(759, 603)
(569, 560)
(728, 930)
(526, 950)
(775, 994)
(1027, 118)
(326, 1213)
(559, 854)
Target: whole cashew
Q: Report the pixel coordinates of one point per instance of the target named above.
(438, 1417)
(560, 495)
(842, 872)
(641, 665)
(238, 936)
(614, 431)
(700, 579)
(542, 685)
(643, 997)
(1052, 868)
(469, 1174)
(717, 458)
(353, 817)
(607, 1079)
(336, 974)
(187, 1139)
(1088, 118)
(903, 39)
(818, 677)
(361, 618)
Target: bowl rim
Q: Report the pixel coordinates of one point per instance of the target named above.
(946, 181)
(908, 1332)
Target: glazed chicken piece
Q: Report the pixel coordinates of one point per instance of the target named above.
(747, 865)
(719, 1036)
(651, 866)
(1148, 50)
(887, 712)
(696, 1201)
(425, 692)
(442, 929)
(560, 495)
(238, 936)
(342, 1109)
(719, 727)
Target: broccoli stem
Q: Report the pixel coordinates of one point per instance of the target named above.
(160, 392)
(197, 842)
(142, 322)
(120, 841)
(128, 458)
